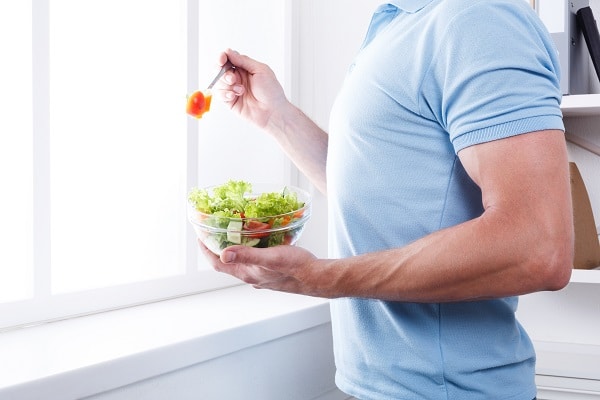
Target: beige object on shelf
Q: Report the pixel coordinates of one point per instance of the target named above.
(587, 245)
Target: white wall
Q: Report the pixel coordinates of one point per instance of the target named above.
(230, 147)
(326, 36)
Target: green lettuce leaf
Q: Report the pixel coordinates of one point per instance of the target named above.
(232, 199)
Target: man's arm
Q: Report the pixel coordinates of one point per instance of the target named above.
(303, 141)
(522, 243)
(252, 90)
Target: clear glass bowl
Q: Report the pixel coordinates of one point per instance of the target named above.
(218, 232)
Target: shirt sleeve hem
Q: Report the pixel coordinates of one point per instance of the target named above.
(507, 129)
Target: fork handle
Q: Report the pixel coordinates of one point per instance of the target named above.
(226, 67)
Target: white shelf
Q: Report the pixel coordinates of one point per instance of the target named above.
(569, 360)
(585, 276)
(581, 105)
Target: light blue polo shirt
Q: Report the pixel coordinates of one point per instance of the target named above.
(432, 77)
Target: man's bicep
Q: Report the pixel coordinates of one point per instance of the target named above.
(531, 167)
(526, 197)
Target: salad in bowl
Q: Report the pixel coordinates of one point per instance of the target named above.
(239, 213)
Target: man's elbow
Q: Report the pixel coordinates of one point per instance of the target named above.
(554, 267)
(558, 276)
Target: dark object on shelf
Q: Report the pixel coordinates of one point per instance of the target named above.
(587, 23)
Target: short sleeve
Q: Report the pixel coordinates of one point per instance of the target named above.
(497, 71)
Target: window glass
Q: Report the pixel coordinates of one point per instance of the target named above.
(118, 142)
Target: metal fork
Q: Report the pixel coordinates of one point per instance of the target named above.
(226, 67)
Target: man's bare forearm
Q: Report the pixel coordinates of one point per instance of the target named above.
(472, 261)
(304, 142)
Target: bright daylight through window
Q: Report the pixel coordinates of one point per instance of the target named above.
(97, 154)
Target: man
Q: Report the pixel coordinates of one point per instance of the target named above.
(446, 174)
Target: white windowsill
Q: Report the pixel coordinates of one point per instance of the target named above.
(93, 354)
(121, 347)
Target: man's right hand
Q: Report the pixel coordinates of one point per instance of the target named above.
(251, 89)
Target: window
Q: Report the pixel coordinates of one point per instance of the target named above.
(97, 154)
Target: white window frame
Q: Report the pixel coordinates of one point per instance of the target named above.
(45, 306)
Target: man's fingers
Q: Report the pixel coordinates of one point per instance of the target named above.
(266, 258)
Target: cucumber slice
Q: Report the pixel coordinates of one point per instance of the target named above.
(251, 242)
(234, 232)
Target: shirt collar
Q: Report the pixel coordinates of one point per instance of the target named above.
(410, 6)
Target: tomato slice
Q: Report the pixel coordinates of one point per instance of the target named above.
(198, 103)
(258, 226)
